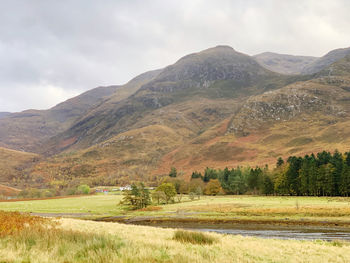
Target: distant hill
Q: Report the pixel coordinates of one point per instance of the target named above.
(284, 64)
(28, 130)
(326, 60)
(4, 114)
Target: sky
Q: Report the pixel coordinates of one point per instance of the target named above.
(52, 50)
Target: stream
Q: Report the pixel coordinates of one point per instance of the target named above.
(265, 231)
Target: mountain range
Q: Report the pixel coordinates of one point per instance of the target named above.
(214, 108)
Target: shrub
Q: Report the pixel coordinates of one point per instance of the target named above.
(169, 191)
(83, 189)
(193, 237)
(191, 195)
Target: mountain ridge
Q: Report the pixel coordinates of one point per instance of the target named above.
(217, 107)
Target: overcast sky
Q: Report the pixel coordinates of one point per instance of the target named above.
(51, 50)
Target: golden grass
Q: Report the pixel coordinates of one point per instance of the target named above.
(87, 241)
(149, 244)
(193, 237)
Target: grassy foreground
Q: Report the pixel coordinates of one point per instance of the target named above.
(88, 241)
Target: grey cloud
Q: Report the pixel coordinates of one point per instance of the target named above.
(51, 50)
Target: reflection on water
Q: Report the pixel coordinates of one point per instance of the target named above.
(300, 234)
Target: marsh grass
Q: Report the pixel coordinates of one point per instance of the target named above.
(193, 237)
(29, 236)
(64, 245)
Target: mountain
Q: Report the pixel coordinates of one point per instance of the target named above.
(300, 118)
(284, 64)
(29, 130)
(214, 108)
(4, 114)
(325, 61)
(214, 74)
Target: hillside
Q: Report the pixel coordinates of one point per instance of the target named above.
(214, 108)
(284, 64)
(215, 73)
(4, 114)
(301, 118)
(29, 130)
(15, 166)
(325, 61)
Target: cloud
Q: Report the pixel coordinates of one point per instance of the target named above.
(51, 50)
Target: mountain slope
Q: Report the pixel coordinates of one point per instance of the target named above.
(4, 114)
(15, 166)
(325, 61)
(215, 73)
(214, 108)
(301, 118)
(284, 64)
(28, 130)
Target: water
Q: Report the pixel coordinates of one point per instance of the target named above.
(262, 230)
(298, 234)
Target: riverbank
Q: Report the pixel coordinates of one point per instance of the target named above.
(223, 210)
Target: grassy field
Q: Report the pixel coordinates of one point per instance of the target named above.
(74, 240)
(88, 241)
(334, 209)
(92, 204)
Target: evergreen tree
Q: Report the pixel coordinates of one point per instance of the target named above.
(173, 172)
(345, 181)
(280, 162)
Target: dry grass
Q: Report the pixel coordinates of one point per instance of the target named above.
(193, 237)
(12, 223)
(35, 239)
(150, 208)
(87, 241)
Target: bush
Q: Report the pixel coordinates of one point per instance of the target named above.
(191, 195)
(83, 189)
(193, 237)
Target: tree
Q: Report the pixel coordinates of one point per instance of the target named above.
(199, 192)
(196, 175)
(169, 190)
(136, 198)
(280, 162)
(158, 196)
(194, 184)
(83, 189)
(267, 185)
(173, 172)
(254, 179)
(304, 177)
(213, 187)
(345, 181)
(209, 173)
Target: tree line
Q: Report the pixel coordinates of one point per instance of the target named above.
(323, 174)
